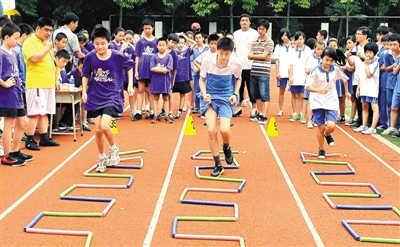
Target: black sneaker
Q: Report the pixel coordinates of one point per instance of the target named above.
(195, 111)
(32, 145)
(22, 156)
(228, 155)
(329, 140)
(262, 120)
(119, 116)
(238, 113)
(64, 126)
(218, 170)
(396, 135)
(48, 142)
(137, 117)
(149, 116)
(10, 160)
(254, 116)
(321, 154)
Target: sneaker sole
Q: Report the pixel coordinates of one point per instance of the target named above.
(321, 157)
(218, 175)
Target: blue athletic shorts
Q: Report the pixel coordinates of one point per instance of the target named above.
(282, 82)
(221, 107)
(396, 99)
(322, 115)
(368, 99)
(296, 89)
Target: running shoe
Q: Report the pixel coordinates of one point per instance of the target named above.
(114, 156)
(218, 170)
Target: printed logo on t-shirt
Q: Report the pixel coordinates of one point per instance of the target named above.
(15, 72)
(127, 54)
(181, 56)
(148, 51)
(102, 76)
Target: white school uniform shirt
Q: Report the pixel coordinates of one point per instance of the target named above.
(243, 41)
(282, 53)
(370, 86)
(312, 61)
(320, 78)
(299, 59)
(359, 65)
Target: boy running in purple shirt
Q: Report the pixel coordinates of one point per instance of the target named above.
(11, 102)
(101, 91)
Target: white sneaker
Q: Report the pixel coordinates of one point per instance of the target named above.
(184, 108)
(389, 131)
(310, 125)
(114, 156)
(90, 120)
(361, 129)
(280, 113)
(102, 166)
(369, 131)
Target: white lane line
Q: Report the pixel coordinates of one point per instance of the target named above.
(370, 152)
(41, 182)
(47, 177)
(161, 198)
(296, 196)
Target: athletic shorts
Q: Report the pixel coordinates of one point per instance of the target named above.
(109, 110)
(368, 99)
(306, 94)
(322, 115)
(182, 87)
(12, 113)
(396, 99)
(221, 107)
(40, 101)
(145, 81)
(282, 83)
(296, 89)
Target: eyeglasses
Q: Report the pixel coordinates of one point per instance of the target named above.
(357, 34)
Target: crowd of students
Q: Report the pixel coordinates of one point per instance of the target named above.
(319, 76)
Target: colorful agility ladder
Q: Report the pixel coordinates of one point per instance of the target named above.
(64, 196)
(375, 194)
(235, 207)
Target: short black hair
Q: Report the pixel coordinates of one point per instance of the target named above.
(330, 52)
(225, 44)
(9, 29)
(129, 32)
(81, 37)
(202, 34)
(70, 17)
(394, 37)
(161, 39)
(63, 54)
(264, 23)
(81, 60)
(25, 29)
(244, 15)
(382, 30)
(299, 34)
(365, 31)
(350, 37)
(148, 22)
(282, 32)
(96, 26)
(323, 33)
(220, 32)
(61, 36)
(45, 21)
(118, 29)
(4, 20)
(213, 37)
(173, 37)
(371, 46)
(385, 38)
(319, 42)
(182, 37)
(311, 43)
(101, 32)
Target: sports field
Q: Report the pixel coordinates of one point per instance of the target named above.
(272, 199)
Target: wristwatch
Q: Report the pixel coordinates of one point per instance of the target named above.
(237, 96)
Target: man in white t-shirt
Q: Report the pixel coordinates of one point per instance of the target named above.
(243, 39)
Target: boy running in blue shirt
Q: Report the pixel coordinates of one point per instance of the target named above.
(219, 85)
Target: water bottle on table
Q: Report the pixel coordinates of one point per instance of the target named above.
(71, 83)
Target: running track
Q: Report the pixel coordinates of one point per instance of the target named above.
(280, 205)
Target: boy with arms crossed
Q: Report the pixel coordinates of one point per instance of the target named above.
(102, 94)
(219, 85)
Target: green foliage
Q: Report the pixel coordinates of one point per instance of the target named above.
(205, 7)
(27, 7)
(129, 4)
(172, 5)
(279, 5)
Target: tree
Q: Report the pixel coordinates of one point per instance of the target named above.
(27, 6)
(130, 4)
(279, 5)
(171, 6)
(205, 7)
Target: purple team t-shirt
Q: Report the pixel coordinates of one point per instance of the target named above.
(184, 72)
(10, 97)
(105, 80)
(160, 82)
(89, 46)
(77, 78)
(129, 52)
(145, 49)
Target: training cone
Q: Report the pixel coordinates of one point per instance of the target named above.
(189, 128)
(272, 130)
(113, 126)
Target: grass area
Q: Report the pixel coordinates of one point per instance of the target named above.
(395, 141)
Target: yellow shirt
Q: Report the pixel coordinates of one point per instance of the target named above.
(42, 73)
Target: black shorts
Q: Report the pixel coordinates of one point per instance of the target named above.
(24, 99)
(182, 87)
(109, 110)
(145, 81)
(12, 112)
(126, 86)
